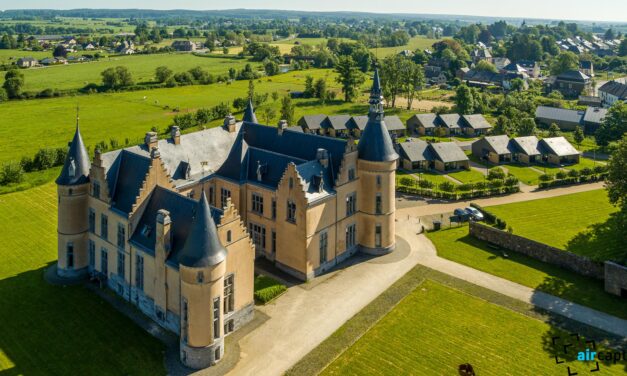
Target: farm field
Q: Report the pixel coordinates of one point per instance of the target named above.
(131, 114)
(456, 245)
(83, 334)
(142, 68)
(579, 217)
(434, 329)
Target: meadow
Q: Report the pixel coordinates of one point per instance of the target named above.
(142, 68)
(456, 245)
(434, 329)
(418, 42)
(580, 218)
(58, 330)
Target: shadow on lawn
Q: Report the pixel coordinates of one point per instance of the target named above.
(47, 329)
(602, 241)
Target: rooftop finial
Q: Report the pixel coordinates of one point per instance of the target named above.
(376, 97)
(77, 118)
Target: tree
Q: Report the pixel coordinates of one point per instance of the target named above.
(502, 126)
(413, 80)
(349, 77)
(275, 96)
(269, 114)
(563, 62)
(464, 100)
(613, 126)
(287, 109)
(578, 136)
(527, 127)
(251, 89)
(486, 66)
(59, 51)
(309, 87)
(13, 82)
(622, 50)
(554, 130)
(117, 77)
(392, 77)
(11, 172)
(609, 34)
(163, 73)
(616, 183)
(271, 68)
(517, 84)
(225, 50)
(320, 89)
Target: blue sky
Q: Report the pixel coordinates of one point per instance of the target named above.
(606, 10)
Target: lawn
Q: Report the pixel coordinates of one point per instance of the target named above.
(131, 114)
(434, 329)
(456, 245)
(418, 42)
(431, 176)
(567, 222)
(524, 174)
(58, 330)
(467, 176)
(142, 68)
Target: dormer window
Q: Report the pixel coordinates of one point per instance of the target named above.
(72, 168)
(146, 230)
(200, 277)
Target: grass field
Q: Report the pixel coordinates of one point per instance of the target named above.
(568, 222)
(524, 174)
(434, 329)
(417, 42)
(142, 68)
(58, 330)
(467, 176)
(456, 245)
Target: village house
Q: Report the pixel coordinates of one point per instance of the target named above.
(451, 123)
(449, 156)
(481, 54)
(428, 124)
(346, 125)
(586, 67)
(532, 67)
(173, 225)
(526, 149)
(612, 92)
(416, 154)
(558, 151)
(475, 125)
(571, 84)
(435, 75)
(184, 45)
(567, 120)
(495, 149)
(27, 62)
(423, 124)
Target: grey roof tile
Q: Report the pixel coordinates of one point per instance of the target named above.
(76, 166)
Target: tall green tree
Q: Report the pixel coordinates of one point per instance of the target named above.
(13, 83)
(287, 109)
(554, 130)
(563, 62)
(391, 74)
(413, 80)
(527, 127)
(349, 77)
(616, 182)
(613, 126)
(464, 100)
(578, 136)
(251, 89)
(162, 73)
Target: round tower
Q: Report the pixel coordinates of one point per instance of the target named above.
(377, 174)
(202, 266)
(72, 221)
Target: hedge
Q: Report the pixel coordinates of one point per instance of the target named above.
(267, 288)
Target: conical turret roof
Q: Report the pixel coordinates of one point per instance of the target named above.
(249, 113)
(375, 143)
(76, 167)
(202, 247)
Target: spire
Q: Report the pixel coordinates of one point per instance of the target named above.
(375, 143)
(76, 167)
(202, 247)
(249, 113)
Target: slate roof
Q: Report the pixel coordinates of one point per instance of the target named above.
(561, 114)
(428, 120)
(500, 144)
(476, 121)
(202, 247)
(585, 64)
(573, 75)
(359, 122)
(313, 122)
(527, 64)
(415, 151)
(528, 145)
(337, 122)
(594, 115)
(317, 181)
(249, 113)
(615, 88)
(451, 120)
(558, 146)
(182, 209)
(76, 166)
(125, 176)
(448, 152)
(513, 67)
(271, 165)
(394, 123)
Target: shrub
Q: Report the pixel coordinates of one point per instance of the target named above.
(184, 78)
(426, 184)
(495, 183)
(11, 172)
(27, 164)
(586, 171)
(267, 288)
(480, 185)
(465, 187)
(204, 115)
(407, 181)
(447, 186)
(511, 181)
(573, 173)
(44, 159)
(546, 177)
(599, 169)
(496, 173)
(560, 175)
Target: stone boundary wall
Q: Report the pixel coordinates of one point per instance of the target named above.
(615, 278)
(539, 251)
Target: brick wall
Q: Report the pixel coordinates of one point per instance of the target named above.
(539, 251)
(615, 278)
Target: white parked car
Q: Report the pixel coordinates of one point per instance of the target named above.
(475, 214)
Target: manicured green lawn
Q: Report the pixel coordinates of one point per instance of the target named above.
(142, 68)
(585, 162)
(31, 179)
(467, 176)
(524, 174)
(52, 330)
(435, 329)
(567, 222)
(456, 245)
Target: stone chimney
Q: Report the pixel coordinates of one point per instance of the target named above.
(322, 155)
(229, 123)
(155, 153)
(175, 132)
(282, 126)
(151, 140)
(97, 158)
(164, 237)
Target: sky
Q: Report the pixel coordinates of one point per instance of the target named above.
(606, 10)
